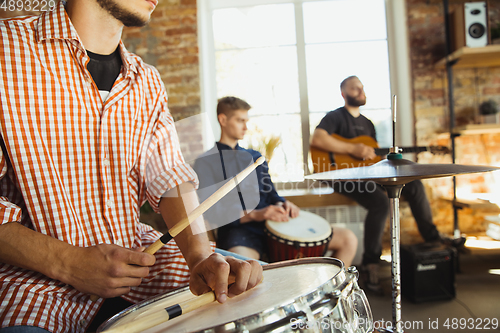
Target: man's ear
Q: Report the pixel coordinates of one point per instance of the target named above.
(222, 119)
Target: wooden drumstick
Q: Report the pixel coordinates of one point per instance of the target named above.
(143, 323)
(203, 207)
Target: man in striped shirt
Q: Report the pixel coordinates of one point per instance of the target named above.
(86, 139)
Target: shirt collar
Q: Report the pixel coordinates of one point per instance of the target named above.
(223, 146)
(56, 24)
(130, 60)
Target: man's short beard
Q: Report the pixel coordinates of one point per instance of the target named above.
(128, 19)
(352, 101)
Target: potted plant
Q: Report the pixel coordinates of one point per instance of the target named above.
(495, 34)
(265, 144)
(489, 112)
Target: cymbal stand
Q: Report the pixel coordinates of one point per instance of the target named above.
(394, 194)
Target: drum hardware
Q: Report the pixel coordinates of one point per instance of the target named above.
(393, 173)
(310, 295)
(300, 318)
(203, 207)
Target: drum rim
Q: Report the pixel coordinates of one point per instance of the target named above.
(300, 243)
(269, 226)
(341, 278)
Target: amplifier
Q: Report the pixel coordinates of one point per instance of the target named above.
(428, 272)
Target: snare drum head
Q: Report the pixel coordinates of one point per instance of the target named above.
(307, 227)
(283, 284)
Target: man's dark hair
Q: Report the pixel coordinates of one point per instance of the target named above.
(347, 79)
(227, 105)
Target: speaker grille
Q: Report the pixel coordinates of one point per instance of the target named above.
(477, 30)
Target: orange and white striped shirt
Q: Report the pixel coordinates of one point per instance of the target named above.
(76, 169)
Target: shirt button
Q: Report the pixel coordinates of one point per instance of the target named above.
(83, 322)
(106, 162)
(109, 204)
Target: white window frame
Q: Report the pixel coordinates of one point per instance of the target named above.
(399, 65)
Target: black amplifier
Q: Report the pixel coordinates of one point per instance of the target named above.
(428, 272)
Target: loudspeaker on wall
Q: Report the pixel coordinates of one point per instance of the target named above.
(469, 25)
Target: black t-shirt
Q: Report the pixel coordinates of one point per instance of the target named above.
(342, 123)
(105, 69)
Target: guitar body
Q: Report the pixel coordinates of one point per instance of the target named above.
(326, 161)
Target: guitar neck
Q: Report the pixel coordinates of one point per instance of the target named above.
(385, 151)
(326, 161)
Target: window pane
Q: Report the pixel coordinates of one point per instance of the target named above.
(381, 118)
(267, 78)
(329, 64)
(258, 26)
(344, 20)
(286, 162)
(256, 59)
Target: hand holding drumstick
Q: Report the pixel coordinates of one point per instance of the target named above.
(213, 268)
(160, 316)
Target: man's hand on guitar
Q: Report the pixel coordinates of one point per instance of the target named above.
(363, 152)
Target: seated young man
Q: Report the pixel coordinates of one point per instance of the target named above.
(245, 235)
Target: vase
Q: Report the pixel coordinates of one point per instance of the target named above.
(491, 118)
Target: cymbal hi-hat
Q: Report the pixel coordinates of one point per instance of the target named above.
(399, 171)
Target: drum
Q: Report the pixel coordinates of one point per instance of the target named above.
(307, 235)
(309, 294)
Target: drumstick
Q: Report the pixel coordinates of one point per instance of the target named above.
(203, 207)
(143, 323)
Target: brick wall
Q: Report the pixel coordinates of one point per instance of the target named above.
(170, 43)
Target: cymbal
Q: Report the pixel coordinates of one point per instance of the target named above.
(398, 171)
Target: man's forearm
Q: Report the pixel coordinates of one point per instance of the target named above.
(174, 207)
(252, 216)
(26, 248)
